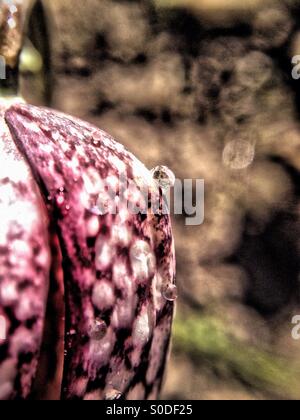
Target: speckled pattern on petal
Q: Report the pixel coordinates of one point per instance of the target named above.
(24, 269)
(115, 265)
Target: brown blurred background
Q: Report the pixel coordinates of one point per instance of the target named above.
(204, 87)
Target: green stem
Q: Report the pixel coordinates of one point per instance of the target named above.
(206, 339)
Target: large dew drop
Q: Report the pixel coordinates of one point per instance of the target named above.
(170, 292)
(98, 330)
(163, 176)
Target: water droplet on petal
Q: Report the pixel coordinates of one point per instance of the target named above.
(13, 9)
(170, 292)
(113, 394)
(98, 330)
(60, 199)
(164, 177)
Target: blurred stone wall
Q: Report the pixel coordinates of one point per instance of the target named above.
(207, 90)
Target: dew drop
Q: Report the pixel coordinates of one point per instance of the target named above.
(163, 176)
(60, 199)
(98, 330)
(170, 292)
(13, 9)
(71, 333)
(113, 394)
